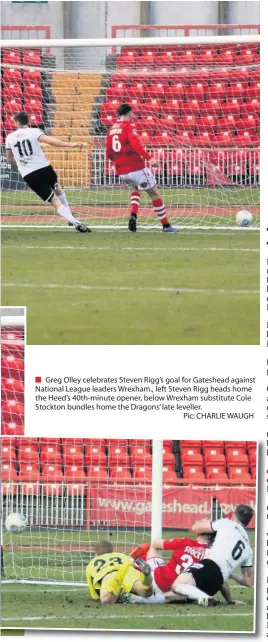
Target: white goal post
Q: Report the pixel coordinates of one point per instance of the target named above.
(199, 117)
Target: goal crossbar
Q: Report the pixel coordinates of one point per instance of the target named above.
(118, 42)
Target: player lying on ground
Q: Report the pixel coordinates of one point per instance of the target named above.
(185, 552)
(124, 149)
(230, 550)
(110, 573)
(23, 148)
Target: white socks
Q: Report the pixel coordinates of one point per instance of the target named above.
(64, 201)
(65, 212)
(157, 598)
(190, 591)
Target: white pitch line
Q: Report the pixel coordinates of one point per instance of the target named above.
(115, 288)
(133, 249)
(117, 616)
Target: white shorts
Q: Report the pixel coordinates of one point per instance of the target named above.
(154, 562)
(142, 179)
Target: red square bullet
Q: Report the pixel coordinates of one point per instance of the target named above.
(38, 379)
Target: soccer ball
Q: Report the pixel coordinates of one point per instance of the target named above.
(15, 523)
(244, 218)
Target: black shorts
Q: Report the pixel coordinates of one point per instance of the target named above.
(42, 182)
(207, 575)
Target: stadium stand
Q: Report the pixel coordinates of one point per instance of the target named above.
(12, 381)
(195, 96)
(53, 461)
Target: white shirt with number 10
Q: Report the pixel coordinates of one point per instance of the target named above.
(26, 149)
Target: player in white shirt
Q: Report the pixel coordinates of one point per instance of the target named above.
(23, 147)
(230, 550)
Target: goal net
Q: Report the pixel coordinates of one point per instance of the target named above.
(196, 107)
(12, 370)
(75, 492)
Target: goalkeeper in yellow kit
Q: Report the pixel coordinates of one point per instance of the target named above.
(110, 574)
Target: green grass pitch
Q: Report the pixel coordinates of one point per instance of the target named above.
(113, 287)
(31, 606)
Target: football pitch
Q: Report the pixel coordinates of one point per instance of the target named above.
(29, 606)
(114, 287)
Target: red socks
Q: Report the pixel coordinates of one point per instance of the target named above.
(160, 210)
(134, 203)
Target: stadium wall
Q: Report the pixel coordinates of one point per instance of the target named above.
(31, 14)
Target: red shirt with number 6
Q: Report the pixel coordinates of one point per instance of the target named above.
(185, 553)
(124, 148)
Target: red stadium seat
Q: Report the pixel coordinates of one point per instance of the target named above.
(247, 122)
(212, 106)
(118, 455)
(74, 473)
(246, 57)
(176, 91)
(12, 106)
(244, 138)
(12, 366)
(170, 476)
(50, 452)
(153, 105)
(32, 75)
(72, 454)
(31, 57)
(227, 123)
(12, 385)
(126, 62)
(35, 119)
(168, 456)
(196, 90)
(147, 123)
(8, 453)
(12, 75)
(232, 106)
(216, 90)
(182, 75)
(167, 58)
(12, 90)
(11, 428)
(22, 442)
(29, 472)
(9, 471)
(167, 123)
(117, 442)
(225, 57)
(213, 443)
(11, 57)
(155, 91)
(121, 474)
(95, 454)
(236, 444)
(188, 122)
(191, 443)
(191, 456)
(220, 74)
(214, 456)
(203, 139)
(172, 106)
(12, 407)
(216, 472)
(241, 74)
(184, 138)
(223, 139)
(193, 474)
(253, 91)
(206, 123)
(97, 474)
(32, 90)
(142, 474)
(136, 90)
(28, 453)
(206, 57)
(146, 60)
(236, 456)
(140, 455)
(33, 106)
(116, 92)
(240, 475)
(252, 456)
(192, 106)
(236, 90)
(187, 57)
(251, 106)
(52, 473)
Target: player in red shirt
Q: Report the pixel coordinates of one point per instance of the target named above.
(128, 155)
(186, 552)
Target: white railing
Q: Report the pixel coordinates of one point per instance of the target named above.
(187, 166)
